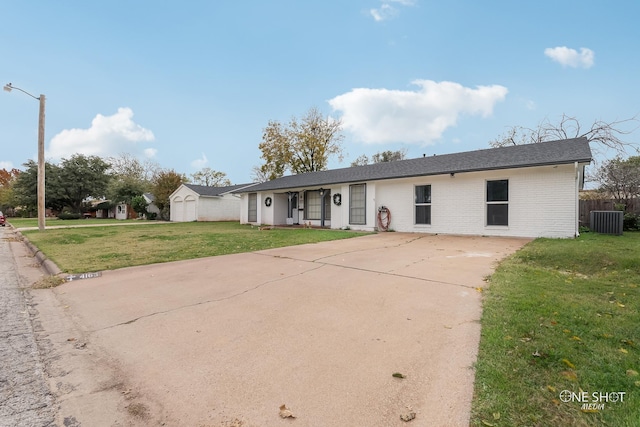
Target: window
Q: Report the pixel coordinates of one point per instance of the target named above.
(423, 204)
(357, 204)
(253, 208)
(498, 202)
(314, 202)
(312, 208)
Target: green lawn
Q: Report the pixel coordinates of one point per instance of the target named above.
(55, 222)
(562, 315)
(85, 249)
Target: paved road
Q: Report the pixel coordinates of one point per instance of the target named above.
(25, 399)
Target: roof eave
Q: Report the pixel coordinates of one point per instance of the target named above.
(349, 181)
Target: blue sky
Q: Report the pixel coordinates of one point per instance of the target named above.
(192, 84)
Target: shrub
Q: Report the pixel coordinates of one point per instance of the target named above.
(630, 222)
(69, 215)
(151, 216)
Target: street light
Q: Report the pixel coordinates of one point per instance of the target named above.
(9, 87)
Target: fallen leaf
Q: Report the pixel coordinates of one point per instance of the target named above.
(632, 373)
(620, 305)
(398, 375)
(487, 423)
(496, 415)
(408, 416)
(551, 388)
(479, 289)
(570, 375)
(568, 363)
(589, 411)
(71, 339)
(637, 383)
(285, 412)
(623, 350)
(575, 338)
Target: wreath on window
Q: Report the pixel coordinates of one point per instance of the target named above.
(337, 199)
(267, 201)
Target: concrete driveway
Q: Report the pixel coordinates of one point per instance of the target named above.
(320, 328)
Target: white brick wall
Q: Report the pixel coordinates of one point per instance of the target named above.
(542, 203)
(225, 208)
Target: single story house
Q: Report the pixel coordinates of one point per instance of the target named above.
(192, 202)
(524, 190)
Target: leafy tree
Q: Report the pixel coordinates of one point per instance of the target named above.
(7, 179)
(606, 135)
(139, 205)
(620, 179)
(303, 145)
(381, 157)
(66, 185)
(122, 189)
(210, 178)
(82, 177)
(25, 188)
(165, 183)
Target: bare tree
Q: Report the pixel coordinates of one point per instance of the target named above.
(606, 135)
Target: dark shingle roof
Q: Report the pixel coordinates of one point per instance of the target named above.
(517, 156)
(203, 190)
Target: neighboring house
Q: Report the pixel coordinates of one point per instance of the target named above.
(525, 190)
(201, 203)
(104, 208)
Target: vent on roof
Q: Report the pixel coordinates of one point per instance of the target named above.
(606, 222)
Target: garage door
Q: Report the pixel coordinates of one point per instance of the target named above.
(177, 210)
(190, 209)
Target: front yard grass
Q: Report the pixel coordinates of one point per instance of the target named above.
(562, 315)
(55, 222)
(88, 249)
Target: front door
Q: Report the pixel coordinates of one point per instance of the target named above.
(292, 208)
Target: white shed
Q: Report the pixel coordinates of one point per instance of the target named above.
(192, 202)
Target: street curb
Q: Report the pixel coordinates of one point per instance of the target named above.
(49, 266)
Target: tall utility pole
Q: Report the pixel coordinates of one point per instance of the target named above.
(41, 205)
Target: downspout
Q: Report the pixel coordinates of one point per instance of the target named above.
(577, 205)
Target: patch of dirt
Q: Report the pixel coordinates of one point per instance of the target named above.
(48, 282)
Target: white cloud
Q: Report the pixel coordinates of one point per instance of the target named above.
(107, 136)
(150, 153)
(200, 163)
(570, 57)
(380, 116)
(6, 165)
(387, 10)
